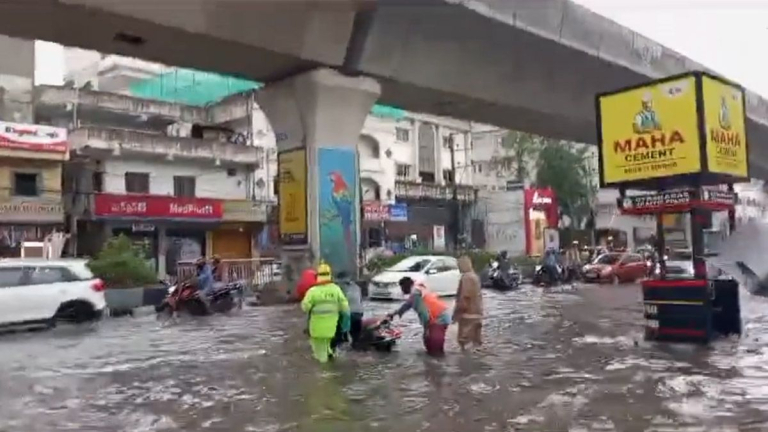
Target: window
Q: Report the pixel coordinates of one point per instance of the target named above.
(98, 181)
(136, 182)
(444, 265)
(10, 277)
(25, 184)
(448, 176)
(427, 177)
(403, 171)
(48, 275)
(184, 186)
(402, 135)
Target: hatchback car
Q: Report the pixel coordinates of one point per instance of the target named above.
(440, 274)
(44, 292)
(616, 267)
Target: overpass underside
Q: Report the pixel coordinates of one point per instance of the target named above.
(533, 66)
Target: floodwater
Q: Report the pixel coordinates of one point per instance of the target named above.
(554, 362)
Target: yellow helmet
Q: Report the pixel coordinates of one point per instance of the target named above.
(324, 272)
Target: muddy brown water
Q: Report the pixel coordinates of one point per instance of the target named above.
(554, 362)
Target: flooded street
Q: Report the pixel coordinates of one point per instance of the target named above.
(555, 362)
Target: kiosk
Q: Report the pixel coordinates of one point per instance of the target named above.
(682, 140)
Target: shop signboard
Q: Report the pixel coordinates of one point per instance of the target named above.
(375, 211)
(244, 211)
(649, 132)
(292, 197)
(398, 212)
(33, 137)
(725, 128)
(157, 207)
(677, 201)
(31, 211)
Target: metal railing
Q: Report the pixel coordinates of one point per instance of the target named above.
(252, 272)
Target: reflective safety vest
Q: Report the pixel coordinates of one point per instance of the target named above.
(435, 306)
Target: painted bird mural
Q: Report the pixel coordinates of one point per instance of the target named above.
(344, 201)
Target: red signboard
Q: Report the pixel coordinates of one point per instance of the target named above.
(33, 137)
(375, 211)
(153, 206)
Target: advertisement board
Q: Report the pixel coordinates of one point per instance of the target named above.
(649, 132)
(292, 197)
(33, 137)
(725, 125)
(155, 206)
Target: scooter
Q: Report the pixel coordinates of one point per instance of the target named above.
(378, 334)
(501, 281)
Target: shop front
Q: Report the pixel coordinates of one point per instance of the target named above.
(167, 229)
(27, 221)
(237, 236)
(541, 215)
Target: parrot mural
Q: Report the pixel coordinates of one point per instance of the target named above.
(344, 202)
(337, 172)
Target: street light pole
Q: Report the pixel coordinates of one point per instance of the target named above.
(454, 195)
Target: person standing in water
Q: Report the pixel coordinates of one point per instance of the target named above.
(325, 304)
(468, 312)
(432, 312)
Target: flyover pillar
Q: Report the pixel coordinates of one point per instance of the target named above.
(317, 117)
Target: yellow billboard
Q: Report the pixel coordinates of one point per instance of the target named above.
(725, 128)
(650, 131)
(292, 196)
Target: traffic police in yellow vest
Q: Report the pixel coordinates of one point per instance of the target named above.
(326, 304)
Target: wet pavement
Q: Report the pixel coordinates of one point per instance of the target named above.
(554, 362)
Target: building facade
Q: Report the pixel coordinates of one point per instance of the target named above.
(162, 174)
(31, 161)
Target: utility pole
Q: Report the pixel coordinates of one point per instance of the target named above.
(455, 196)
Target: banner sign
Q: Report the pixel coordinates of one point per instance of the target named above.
(677, 201)
(725, 128)
(33, 137)
(155, 206)
(292, 197)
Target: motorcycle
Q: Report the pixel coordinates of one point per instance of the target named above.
(378, 334)
(497, 279)
(186, 298)
(541, 276)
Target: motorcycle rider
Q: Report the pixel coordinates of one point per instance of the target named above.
(573, 259)
(549, 262)
(505, 265)
(354, 295)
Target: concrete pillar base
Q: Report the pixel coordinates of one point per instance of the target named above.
(317, 116)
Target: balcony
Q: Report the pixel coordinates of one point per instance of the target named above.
(54, 101)
(95, 140)
(414, 190)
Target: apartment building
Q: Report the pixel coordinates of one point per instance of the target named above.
(160, 173)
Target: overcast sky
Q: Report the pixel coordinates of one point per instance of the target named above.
(729, 36)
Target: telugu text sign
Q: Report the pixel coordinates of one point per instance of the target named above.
(650, 132)
(292, 196)
(725, 128)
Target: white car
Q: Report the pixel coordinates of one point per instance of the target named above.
(39, 291)
(440, 274)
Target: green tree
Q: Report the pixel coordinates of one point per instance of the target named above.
(565, 168)
(519, 149)
(120, 265)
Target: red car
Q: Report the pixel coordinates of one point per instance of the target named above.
(616, 267)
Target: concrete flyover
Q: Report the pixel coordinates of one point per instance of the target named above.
(531, 65)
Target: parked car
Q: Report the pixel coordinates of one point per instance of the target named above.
(43, 292)
(439, 273)
(616, 267)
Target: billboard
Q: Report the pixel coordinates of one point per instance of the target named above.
(292, 197)
(725, 127)
(649, 131)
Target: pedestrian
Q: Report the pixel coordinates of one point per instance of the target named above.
(308, 280)
(433, 314)
(354, 295)
(325, 304)
(468, 312)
